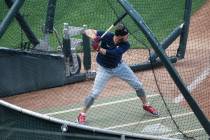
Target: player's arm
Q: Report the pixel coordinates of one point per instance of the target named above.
(102, 51)
(94, 35)
(118, 50)
(91, 33)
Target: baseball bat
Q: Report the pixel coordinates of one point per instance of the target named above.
(115, 23)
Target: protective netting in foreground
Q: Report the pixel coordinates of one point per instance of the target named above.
(118, 108)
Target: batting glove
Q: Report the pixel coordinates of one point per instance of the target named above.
(96, 43)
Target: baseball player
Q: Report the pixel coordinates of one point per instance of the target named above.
(110, 49)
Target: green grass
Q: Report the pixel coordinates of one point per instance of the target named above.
(161, 16)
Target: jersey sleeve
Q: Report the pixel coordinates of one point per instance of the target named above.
(99, 33)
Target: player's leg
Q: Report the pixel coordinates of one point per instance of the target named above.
(125, 73)
(101, 79)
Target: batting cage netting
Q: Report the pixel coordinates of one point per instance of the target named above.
(35, 75)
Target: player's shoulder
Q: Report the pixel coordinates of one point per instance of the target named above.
(99, 32)
(126, 43)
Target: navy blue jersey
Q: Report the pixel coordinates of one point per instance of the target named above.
(114, 51)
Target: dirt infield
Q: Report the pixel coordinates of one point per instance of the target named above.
(198, 38)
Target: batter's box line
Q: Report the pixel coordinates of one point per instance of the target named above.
(99, 105)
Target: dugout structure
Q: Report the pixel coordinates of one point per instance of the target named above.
(159, 36)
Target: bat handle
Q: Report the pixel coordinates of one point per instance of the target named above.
(107, 31)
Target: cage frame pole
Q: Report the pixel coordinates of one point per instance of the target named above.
(10, 15)
(185, 31)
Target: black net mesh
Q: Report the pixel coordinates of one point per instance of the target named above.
(117, 108)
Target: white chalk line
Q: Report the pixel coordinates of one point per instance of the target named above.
(199, 79)
(185, 132)
(147, 121)
(98, 105)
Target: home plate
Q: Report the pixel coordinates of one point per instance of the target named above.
(156, 129)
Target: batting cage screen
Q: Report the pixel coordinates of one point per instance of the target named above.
(48, 66)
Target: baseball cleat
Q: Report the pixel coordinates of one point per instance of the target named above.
(151, 110)
(81, 118)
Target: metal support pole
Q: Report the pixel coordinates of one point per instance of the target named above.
(24, 25)
(165, 44)
(183, 39)
(10, 15)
